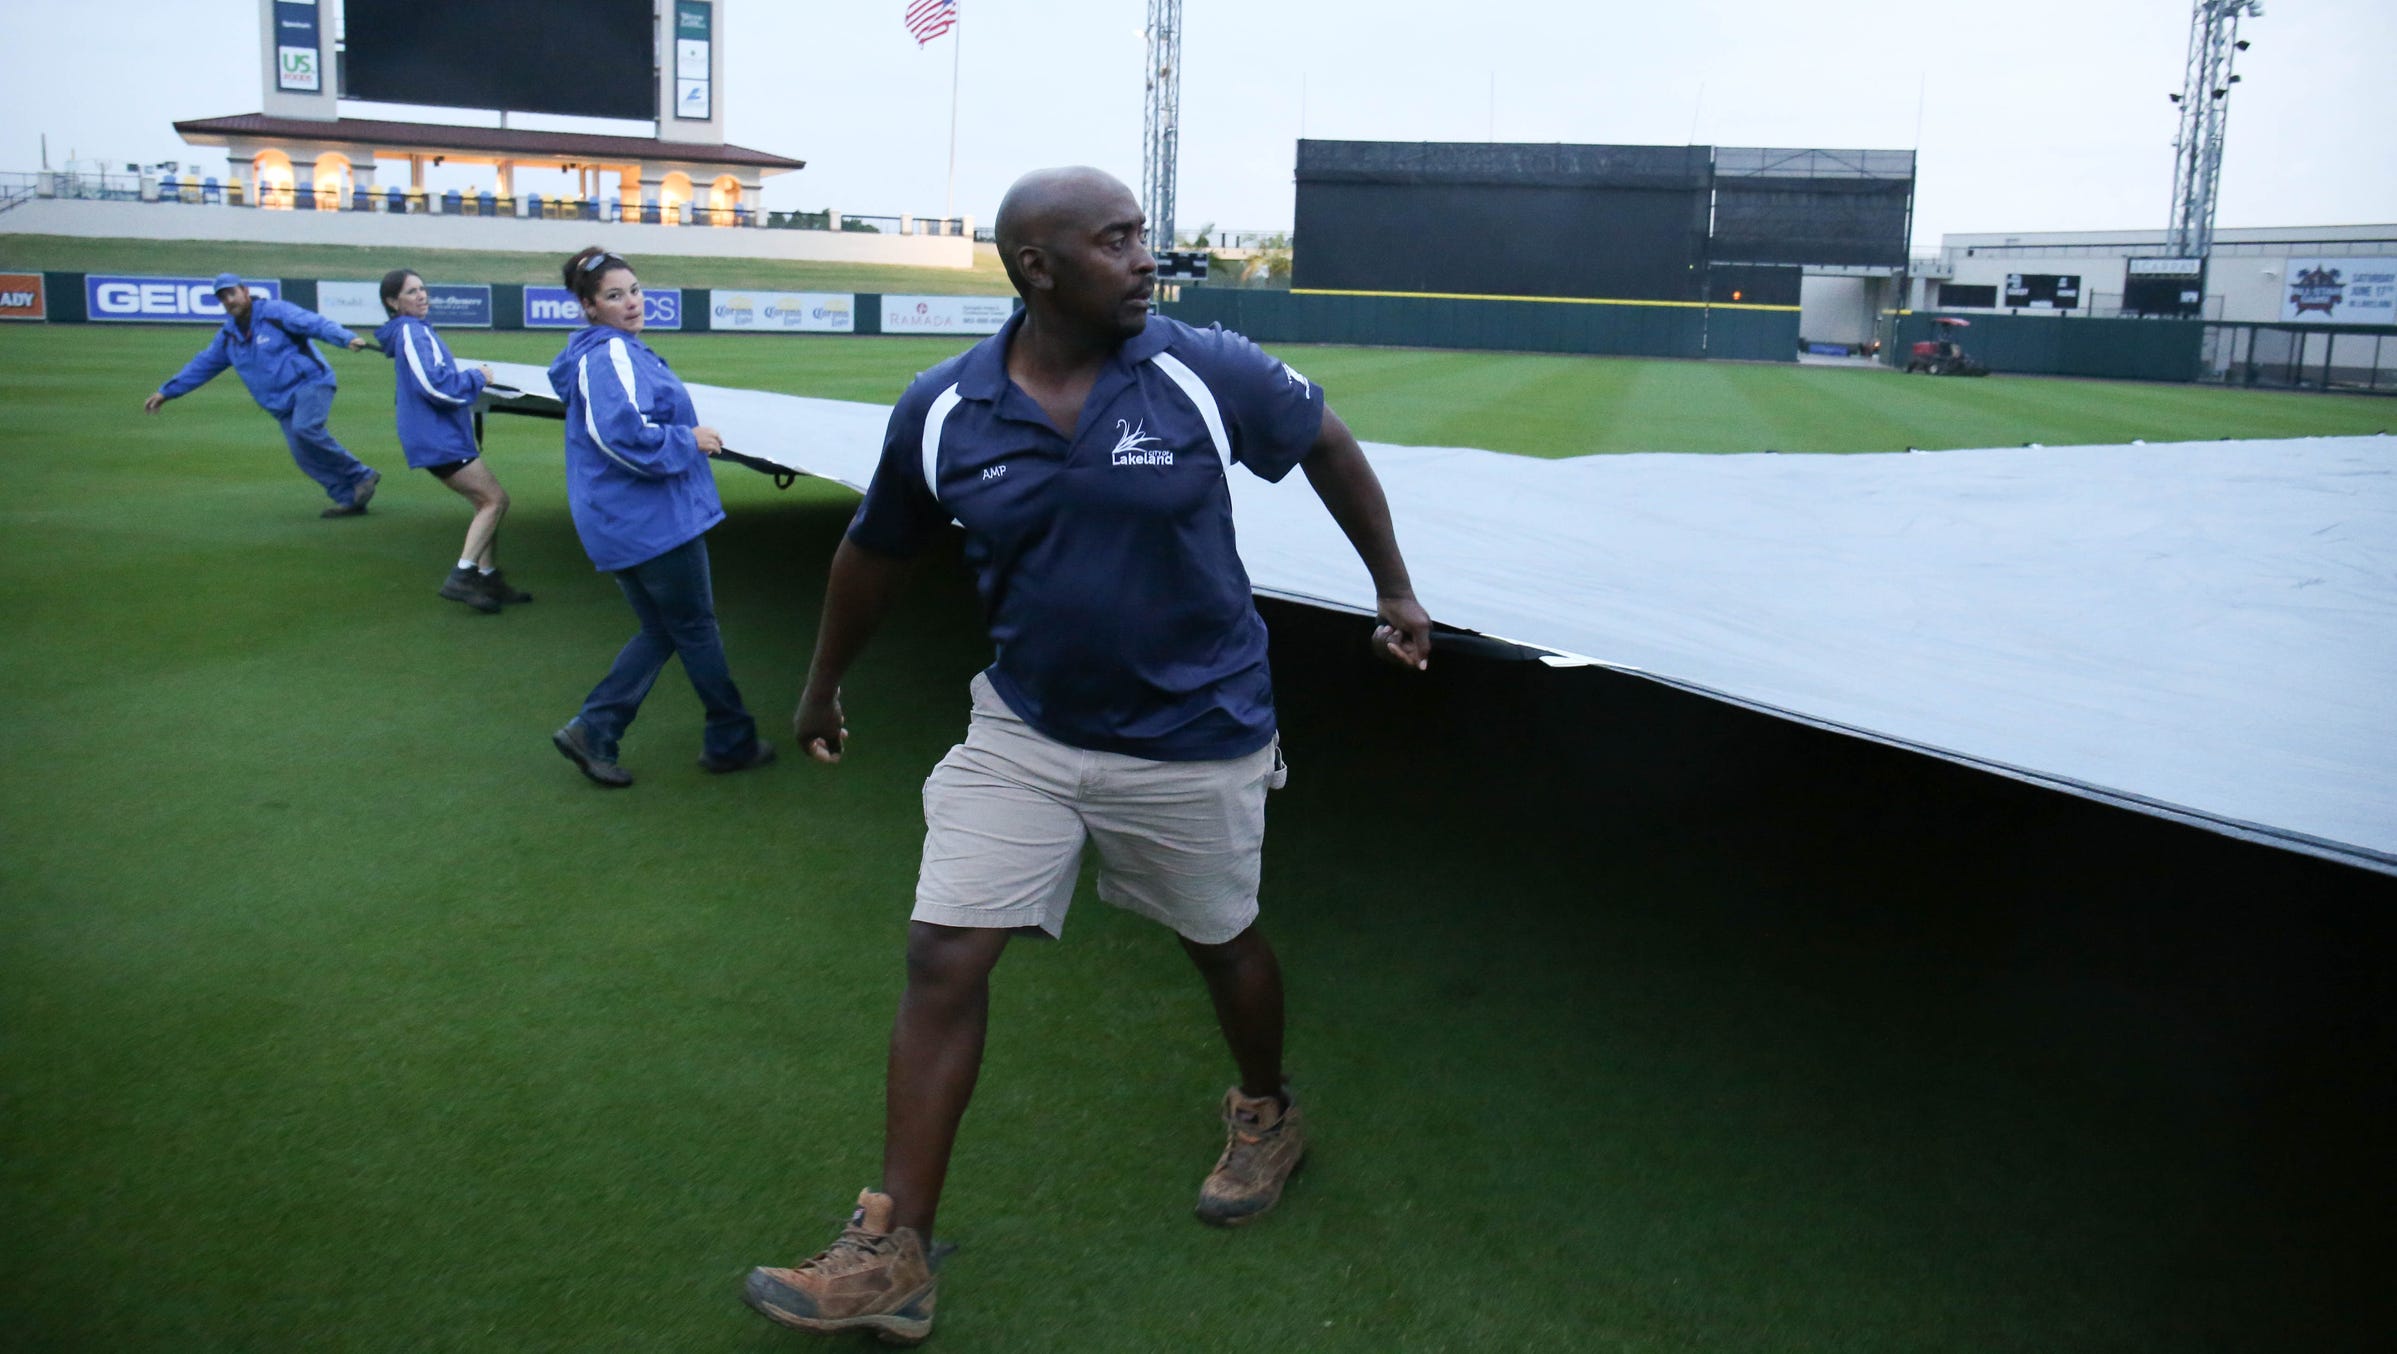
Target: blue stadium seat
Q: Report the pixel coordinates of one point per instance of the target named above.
(395, 201)
(211, 191)
(452, 203)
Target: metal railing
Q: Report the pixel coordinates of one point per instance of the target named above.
(199, 190)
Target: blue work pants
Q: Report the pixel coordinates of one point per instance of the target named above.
(313, 449)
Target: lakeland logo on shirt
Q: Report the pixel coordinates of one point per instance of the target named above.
(1131, 446)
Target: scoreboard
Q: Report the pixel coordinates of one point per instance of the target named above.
(2043, 291)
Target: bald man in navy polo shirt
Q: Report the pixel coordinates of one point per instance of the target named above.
(1086, 448)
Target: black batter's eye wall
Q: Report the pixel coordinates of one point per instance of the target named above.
(1502, 220)
(1638, 223)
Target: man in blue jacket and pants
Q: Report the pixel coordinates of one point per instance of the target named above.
(267, 341)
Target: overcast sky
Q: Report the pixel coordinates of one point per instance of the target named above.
(2032, 115)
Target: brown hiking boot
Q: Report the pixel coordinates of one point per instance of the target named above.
(1265, 1142)
(874, 1278)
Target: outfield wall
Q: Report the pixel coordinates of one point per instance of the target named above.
(2046, 345)
(1599, 328)
(92, 298)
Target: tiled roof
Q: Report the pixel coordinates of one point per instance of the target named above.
(437, 137)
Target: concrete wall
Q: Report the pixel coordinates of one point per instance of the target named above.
(182, 221)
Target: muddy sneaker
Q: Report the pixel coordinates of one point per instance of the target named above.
(574, 743)
(463, 586)
(1265, 1141)
(874, 1278)
(496, 583)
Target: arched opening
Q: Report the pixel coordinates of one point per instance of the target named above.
(673, 191)
(332, 182)
(722, 197)
(270, 174)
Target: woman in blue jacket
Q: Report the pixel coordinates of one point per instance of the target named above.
(266, 341)
(643, 498)
(433, 408)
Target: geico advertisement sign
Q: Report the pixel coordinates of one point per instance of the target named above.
(171, 300)
(792, 312)
(945, 314)
(454, 305)
(556, 308)
(21, 297)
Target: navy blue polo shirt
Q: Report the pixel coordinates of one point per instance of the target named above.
(1110, 576)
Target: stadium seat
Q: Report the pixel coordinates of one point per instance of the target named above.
(211, 191)
(451, 203)
(395, 201)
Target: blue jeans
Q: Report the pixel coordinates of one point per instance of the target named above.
(676, 601)
(313, 449)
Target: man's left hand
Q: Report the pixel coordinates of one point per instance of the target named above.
(1405, 635)
(356, 344)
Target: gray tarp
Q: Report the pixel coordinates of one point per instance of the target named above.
(2202, 630)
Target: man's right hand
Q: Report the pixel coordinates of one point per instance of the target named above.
(152, 404)
(820, 727)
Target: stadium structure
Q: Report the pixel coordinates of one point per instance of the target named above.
(310, 170)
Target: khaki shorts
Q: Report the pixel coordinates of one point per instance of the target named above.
(1007, 811)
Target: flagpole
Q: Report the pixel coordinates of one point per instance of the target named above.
(948, 206)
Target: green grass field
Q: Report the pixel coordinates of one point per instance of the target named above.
(338, 1013)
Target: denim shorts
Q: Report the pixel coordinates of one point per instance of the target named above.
(1006, 814)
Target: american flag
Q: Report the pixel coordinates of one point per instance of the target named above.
(928, 19)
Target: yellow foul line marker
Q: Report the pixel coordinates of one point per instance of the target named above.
(1548, 300)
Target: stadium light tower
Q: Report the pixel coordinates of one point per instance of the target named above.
(1161, 127)
(2205, 99)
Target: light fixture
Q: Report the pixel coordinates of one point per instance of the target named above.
(2242, 44)
(2174, 97)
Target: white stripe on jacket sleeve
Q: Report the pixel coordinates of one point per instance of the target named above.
(416, 365)
(582, 384)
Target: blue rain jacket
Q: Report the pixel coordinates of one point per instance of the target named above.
(432, 398)
(636, 481)
(273, 357)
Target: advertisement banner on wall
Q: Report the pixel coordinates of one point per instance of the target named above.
(784, 312)
(360, 304)
(945, 314)
(22, 297)
(2340, 291)
(297, 44)
(352, 303)
(556, 308)
(163, 300)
